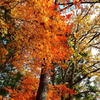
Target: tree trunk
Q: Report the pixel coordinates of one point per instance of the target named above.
(43, 86)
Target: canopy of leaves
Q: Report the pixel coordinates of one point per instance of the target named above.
(34, 37)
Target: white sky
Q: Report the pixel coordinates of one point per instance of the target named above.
(94, 51)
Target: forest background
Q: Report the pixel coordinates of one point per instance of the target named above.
(46, 50)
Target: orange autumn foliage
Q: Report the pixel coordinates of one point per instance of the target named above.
(26, 89)
(58, 91)
(39, 36)
(42, 33)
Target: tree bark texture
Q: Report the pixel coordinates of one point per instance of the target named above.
(43, 86)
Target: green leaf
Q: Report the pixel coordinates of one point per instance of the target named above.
(3, 92)
(93, 88)
(12, 84)
(84, 54)
(19, 75)
(0, 83)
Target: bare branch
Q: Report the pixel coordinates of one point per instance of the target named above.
(87, 92)
(96, 47)
(72, 3)
(96, 35)
(86, 76)
(87, 12)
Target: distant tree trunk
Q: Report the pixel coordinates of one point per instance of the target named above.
(69, 98)
(43, 86)
(71, 80)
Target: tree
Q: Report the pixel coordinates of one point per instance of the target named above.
(7, 27)
(82, 65)
(38, 45)
(34, 42)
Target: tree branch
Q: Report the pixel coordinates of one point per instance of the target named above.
(87, 12)
(87, 92)
(82, 38)
(96, 47)
(93, 45)
(65, 8)
(72, 3)
(96, 35)
(85, 76)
